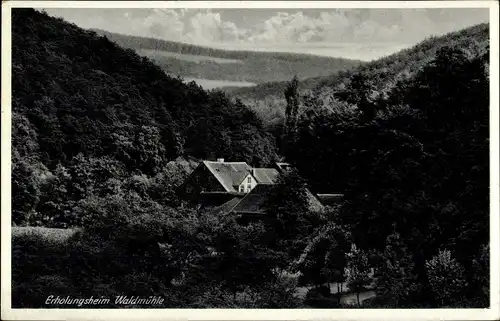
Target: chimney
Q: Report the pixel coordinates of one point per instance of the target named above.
(253, 172)
(220, 160)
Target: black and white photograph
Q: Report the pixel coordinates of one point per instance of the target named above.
(332, 157)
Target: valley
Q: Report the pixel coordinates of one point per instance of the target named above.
(185, 60)
(271, 182)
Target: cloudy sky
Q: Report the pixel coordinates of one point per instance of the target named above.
(353, 33)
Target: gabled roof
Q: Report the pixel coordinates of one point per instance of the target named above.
(254, 201)
(265, 175)
(229, 174)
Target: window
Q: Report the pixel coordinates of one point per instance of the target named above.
(249, 180)
(249, 187)
(242, 188)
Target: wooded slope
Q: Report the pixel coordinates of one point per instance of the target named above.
(187, 60)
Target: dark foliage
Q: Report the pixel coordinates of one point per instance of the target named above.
(417, 166)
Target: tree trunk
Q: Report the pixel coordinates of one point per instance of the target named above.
(357, 296)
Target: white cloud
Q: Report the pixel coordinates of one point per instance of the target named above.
(207, 27)
(165, 23)
(332, 26)
(285, 27)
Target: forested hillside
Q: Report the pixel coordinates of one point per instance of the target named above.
(80, 99)
(381, 75)
(102, 137)
(193, 61)
(413, 164)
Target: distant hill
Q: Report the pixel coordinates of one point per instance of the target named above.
(383, 73)
(190, 61)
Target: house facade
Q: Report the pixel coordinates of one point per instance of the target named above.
(247, 184)
(236, 187)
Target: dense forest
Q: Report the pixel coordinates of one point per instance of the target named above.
(79, 98)
(247, 66)
(413, 164)
(102, 137)
(382, 74)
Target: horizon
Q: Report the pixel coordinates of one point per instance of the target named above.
(358, 34)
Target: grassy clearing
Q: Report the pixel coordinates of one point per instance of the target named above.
(57, 235)
(211, 84)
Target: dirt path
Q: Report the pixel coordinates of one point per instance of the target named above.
(351, 298)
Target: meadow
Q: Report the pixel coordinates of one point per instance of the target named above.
(208, 84)
(186, 57)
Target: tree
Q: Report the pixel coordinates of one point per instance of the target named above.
(396, 279)
(244, 258)
(360, 92)
(24, 136)
(323, 259)
(292, 109)
(56, 205)
(150, 149)
(449, 86)
(288, 204)
(357, 271)
(446, 277)
(312, 267)
(339, 241)
(91, 175)
(26, 185)
(481, 274)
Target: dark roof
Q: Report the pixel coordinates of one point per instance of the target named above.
(221, 193)
(229, 174)
(330, 199)
(226, 207)
(265, 175)
(253, 202)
